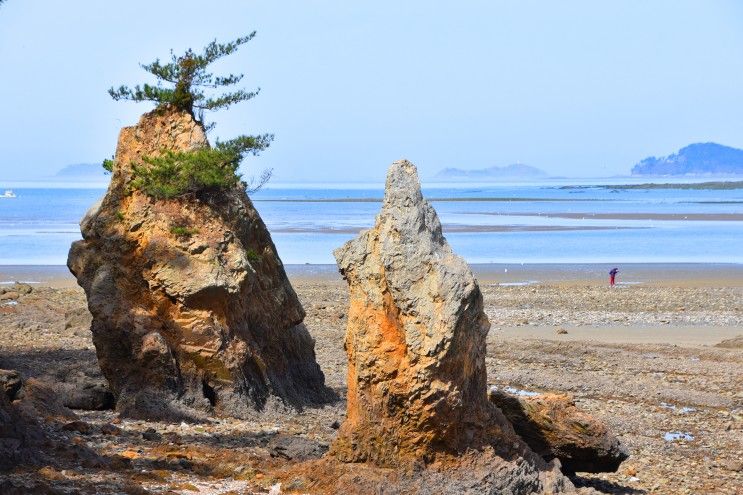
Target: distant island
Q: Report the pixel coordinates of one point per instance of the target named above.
(81, 172)
(695, 159)
(513, 171)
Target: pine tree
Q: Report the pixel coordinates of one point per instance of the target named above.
(186, 80)
(184, 85)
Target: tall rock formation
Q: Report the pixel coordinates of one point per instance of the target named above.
(192, 309)
(416, 356)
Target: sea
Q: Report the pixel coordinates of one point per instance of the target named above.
(529, 223)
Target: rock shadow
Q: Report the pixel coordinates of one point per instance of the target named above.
(73, 373)
(605, 486)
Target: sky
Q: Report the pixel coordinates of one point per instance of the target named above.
(576, 88)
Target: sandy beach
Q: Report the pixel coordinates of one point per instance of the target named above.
(649, 358)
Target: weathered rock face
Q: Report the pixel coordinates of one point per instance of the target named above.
(205, 320)
(416, 334)
(416, 348)
(554, 427)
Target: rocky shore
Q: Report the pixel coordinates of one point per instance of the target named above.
(677, 408)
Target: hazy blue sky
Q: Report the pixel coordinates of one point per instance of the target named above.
(581, 88)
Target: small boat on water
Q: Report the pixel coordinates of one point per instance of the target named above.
(8, 194)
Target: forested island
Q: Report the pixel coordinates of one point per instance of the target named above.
(695, 159)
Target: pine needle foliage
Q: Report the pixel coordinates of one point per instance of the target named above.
(177, 173)
(108, 165)
(184, 80)
(183, 84)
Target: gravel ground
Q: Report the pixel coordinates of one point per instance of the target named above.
(648, 393)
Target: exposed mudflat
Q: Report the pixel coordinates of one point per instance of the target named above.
(642, 358)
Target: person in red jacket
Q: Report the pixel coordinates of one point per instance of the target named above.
(612, 276)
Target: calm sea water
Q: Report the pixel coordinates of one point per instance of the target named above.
(487, 224)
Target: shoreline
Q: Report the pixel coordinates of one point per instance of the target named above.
(488, 274)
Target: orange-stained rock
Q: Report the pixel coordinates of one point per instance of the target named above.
(554, 427)
(202, 321)
(415, 340)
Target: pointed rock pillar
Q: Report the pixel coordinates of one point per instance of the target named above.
(415, 338)
(418, 418)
